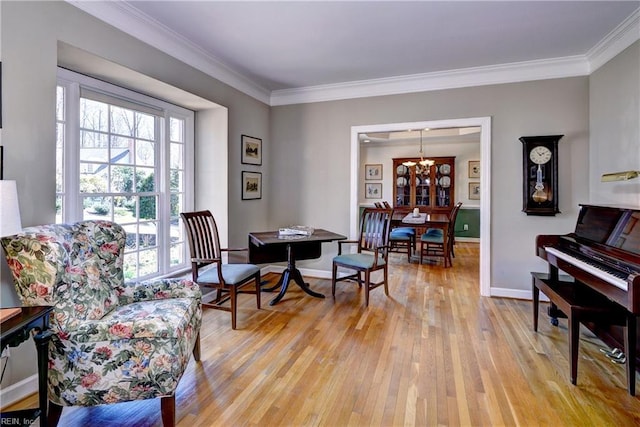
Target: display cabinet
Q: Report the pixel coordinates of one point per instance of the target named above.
(429, 188)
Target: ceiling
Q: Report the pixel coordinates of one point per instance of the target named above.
(294, 47)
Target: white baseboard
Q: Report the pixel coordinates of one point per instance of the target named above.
(18, 391)
(515, 293)
(468, 239)
(310, 272)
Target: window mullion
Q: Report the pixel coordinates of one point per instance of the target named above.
(73, 212)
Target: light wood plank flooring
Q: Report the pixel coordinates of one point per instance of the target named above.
(434, 353)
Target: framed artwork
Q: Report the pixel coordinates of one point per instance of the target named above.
(474, 191)
(251, 185)
(474, 169)
(373, 190)
(251, 150)
(372, 172)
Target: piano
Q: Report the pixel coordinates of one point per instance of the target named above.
(602, 256)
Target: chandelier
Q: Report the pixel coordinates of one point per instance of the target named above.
(423, 165)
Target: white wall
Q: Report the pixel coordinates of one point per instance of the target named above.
(614, 124)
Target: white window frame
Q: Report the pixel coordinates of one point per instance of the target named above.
(72, 200)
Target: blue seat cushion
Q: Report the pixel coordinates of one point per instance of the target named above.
(358, 260)
(404, 230)
(434, 232)
(401, 237)
(232, 274)
(432, 238)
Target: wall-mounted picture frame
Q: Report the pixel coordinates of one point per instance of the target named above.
(373, 172)
(251, 150)
(0, 95)
(373, 190)
(474, 169)
(251, 185)
(474, 191)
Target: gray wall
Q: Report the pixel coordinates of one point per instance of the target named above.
(30, 35)
(30, 32)
(614, 122)
(311, 152)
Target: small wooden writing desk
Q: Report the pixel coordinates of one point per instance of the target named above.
(15, 330)
(268, 246)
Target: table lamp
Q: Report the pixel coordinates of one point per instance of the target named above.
(9, 209)
(9, 224)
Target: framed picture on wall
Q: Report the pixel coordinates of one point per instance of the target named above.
(373, 190)
(251, 185)
(474, 191)
(251, 150)
(372, 172)
(474, 169)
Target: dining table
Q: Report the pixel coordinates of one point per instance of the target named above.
(272, 246)
(422, 222)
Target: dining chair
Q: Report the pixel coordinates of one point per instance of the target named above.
(401, 239)
(208, 269)
(432, 241)
(372, 252)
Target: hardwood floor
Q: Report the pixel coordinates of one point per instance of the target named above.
(434, 353)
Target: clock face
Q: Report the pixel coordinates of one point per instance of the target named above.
(540, 155)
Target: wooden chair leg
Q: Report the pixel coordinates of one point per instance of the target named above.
(334, 272)
(196, 349)
(54, 413)
(233, 296)
(386, 281)
(258, 291)
(168, 409)
(367, 281)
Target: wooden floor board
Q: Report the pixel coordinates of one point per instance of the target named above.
(434, 353)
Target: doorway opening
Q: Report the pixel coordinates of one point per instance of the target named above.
(485, 179)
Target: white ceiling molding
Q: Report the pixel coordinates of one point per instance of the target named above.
(623, 36)
(129, 20)
(475, 76)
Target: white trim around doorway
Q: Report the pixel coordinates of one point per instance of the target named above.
(485, 180)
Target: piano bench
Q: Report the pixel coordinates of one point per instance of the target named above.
(580, 304)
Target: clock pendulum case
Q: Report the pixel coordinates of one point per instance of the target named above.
(540, 174)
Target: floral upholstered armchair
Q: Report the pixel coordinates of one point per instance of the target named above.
(114, 341)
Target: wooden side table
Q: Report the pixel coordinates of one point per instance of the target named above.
(16, 330)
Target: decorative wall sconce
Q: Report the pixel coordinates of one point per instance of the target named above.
(620, 176)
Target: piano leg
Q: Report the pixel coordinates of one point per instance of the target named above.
(630, 350)
(574, 342)
(536, 303)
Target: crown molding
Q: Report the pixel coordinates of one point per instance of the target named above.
(475, 76)
(130, 20)
(620, 38)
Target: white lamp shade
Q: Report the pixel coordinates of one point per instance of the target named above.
(9, 209)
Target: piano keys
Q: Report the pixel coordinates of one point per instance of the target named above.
(603, 254)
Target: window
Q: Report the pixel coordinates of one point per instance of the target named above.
(122, 156)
